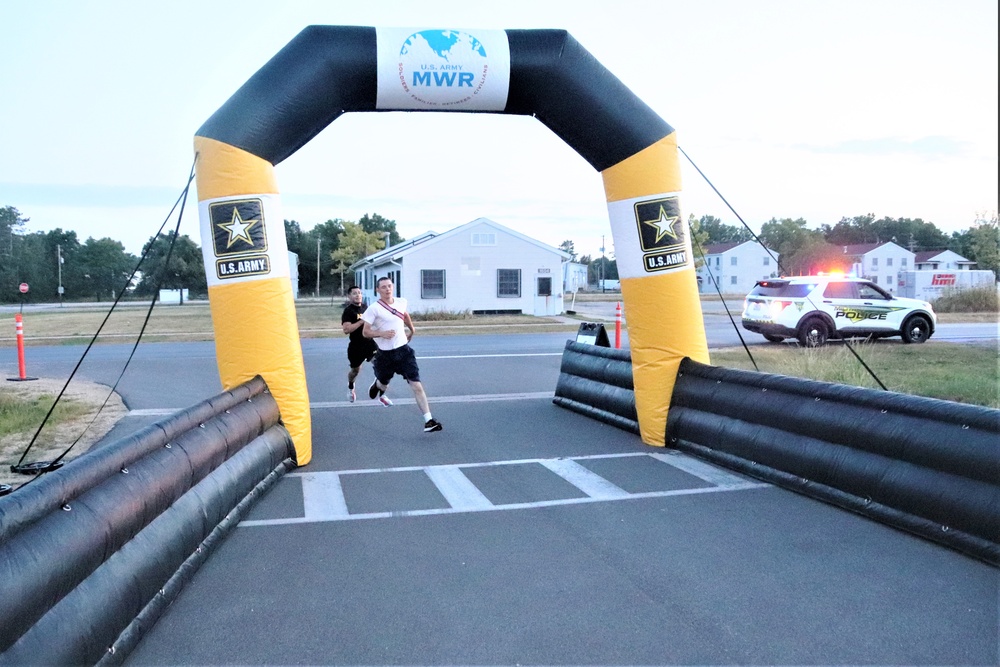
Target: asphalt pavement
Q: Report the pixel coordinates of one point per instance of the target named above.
(527, 534)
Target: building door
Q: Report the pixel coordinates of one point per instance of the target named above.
(545, 302)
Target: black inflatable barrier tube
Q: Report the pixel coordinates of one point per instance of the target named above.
(98, 522)
(596, 382)
(326, 71)
(927, 466)
(133, 633)
(33, 501)
(89, 620)
(50, 560)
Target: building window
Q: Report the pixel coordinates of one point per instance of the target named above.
(767, 261)
(484, 238)
(432, 283)
(732, 261)
(718, 261)
(888, 261)
(508, 283)
(544, 286)
(732, 280)
(874, 262)
(902, 262)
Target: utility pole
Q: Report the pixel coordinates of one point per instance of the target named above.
(317, 266)
(601, 283)
(59, 263)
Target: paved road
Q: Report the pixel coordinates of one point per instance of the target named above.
(527, 534)
(720, 330)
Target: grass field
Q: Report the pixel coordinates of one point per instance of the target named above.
(193, 322)
(948, 371)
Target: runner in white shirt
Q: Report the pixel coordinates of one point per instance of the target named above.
(390, 325)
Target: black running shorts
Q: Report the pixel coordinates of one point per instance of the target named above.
(401, 361)
(357, 353)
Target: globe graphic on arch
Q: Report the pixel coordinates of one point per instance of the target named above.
(449, 46)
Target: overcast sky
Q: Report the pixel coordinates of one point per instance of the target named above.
(819, 110)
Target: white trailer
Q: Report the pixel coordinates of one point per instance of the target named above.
(930, 285)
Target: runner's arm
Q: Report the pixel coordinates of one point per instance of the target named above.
(409, 324)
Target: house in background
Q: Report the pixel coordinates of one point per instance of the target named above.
(734, 268)
(481, 266)
(880, 263)
(933, 260)
(574, 277)
(293, 272)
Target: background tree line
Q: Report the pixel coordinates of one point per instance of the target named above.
(804, 251)
(98, 269)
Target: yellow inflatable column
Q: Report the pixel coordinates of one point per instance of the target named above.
(249, 286)
(659, 285)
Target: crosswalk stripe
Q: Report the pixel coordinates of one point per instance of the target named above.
(456, 488)
(589, 482)
(324, 500)
(323, 497)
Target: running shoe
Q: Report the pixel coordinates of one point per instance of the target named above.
(373, 391)
(384, 400)
(351, 395)
(432, 426)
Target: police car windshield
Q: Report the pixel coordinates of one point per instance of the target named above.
(778, 288)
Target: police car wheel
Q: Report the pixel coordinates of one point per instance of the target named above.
(916, 330)
(813, 333)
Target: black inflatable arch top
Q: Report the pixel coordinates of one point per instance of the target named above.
(552, 78)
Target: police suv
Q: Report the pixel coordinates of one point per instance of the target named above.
(816, 308)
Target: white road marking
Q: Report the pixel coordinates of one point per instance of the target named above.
(472, 398)
(367, 403)
(589, 482)
(456, 488)
(489, 356)
(700, 469)
(324, 497)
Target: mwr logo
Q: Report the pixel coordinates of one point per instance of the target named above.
(238, 227)
(661, 234)
(238, 268)
(944, 280)
(442, 67)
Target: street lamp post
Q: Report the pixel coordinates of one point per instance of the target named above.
(602, 264)
(59, 263)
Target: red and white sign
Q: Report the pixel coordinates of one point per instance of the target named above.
(944, 280)
(23, 287)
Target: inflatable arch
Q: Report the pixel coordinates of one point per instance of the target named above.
(329, 70)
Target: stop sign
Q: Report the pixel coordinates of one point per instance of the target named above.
(23, 287)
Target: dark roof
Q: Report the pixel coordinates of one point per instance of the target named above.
(928, 255)
(719, 248)
(859, 249)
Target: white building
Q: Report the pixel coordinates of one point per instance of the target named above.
(880, 263)
(735, 267)
(933, 260)
(293, 272)
(481, 266)
(574, 277)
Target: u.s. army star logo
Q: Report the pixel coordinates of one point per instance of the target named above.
(661, 234)
(238, 227)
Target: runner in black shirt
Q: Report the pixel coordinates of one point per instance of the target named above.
(359, 348)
